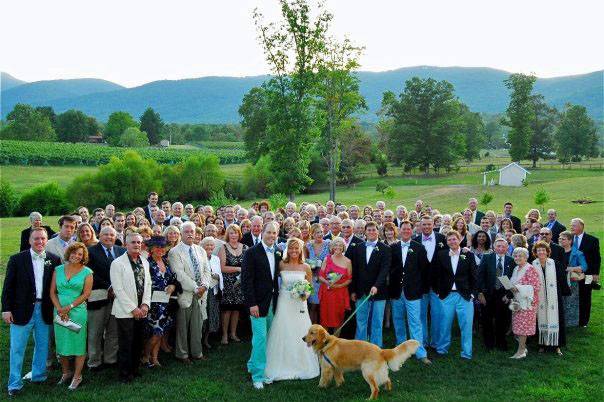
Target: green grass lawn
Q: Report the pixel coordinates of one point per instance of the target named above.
(23, 178)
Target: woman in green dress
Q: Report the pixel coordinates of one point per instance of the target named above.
(70, 288)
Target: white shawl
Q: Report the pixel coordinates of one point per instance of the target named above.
(525, 295)
(547, 316)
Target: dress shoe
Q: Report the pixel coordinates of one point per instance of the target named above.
(268, 381)
(426, 361)
(258, 385)
(75, 383)
(65, 378)
(13, 392)
(200, 358)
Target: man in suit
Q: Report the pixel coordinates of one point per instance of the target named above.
(254, 236)
(58, 244)
(408, 275)
(131, 284)
(476, 214)
(533, 236)
(590, 246)
(97, 216)
(190, 263)
(557, 252)
(456, 284)
(553, 225)
(472, 227)
(401, 214)
(26, 306)
(353, 212)
(370, 267)
(335, 227)
(35, 219)
(102, 327)
(119, 222)
(433, 243)
(152, 199)
(260, 287)
(496, 316)
(507, 213)
(347, 234)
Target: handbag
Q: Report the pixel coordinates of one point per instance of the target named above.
(70, 325)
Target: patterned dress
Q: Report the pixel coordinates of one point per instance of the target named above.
(232, 295)
(160, 318)
(571, 303)
(312, 256)
(524, 322)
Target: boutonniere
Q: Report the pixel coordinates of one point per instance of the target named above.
(440, 244)
(278, 253)
(353, 244)
(462, 256)
(410, 251)
(47, 263)
(376, 248)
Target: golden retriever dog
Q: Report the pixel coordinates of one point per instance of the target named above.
(339, 355)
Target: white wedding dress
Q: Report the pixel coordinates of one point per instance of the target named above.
(287, 356)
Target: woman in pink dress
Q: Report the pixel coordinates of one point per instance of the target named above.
(335, 276)
(524, 318)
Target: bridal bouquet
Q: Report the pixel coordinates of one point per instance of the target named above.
(301, 290)
(333, 278)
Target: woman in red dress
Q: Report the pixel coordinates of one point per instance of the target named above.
(335, 276)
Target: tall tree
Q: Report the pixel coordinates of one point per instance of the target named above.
(425, 126)
(474, 133)
(576, 135)
(543, 125)
(74, 126)
(494, 134)
(49, 112)
(254, 118)
(520, 114)
(152, 124)
(116, 124)
(26, 123)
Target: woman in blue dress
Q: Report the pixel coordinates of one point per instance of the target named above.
(317, 249)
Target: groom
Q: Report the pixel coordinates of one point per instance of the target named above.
(259, 273)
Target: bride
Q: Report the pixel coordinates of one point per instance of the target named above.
(287, 356)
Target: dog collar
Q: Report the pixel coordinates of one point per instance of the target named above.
(328, 361)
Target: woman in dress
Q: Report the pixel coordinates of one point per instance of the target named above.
(576, 265)
(219, 223)
(526, 284)
(85, 234)
(481, 245)
(287, 356)
(316, 251)
(550, 318)
(389, 233)
(231, 257)
(216, 285)
(70, 288)
(160, 319)
(335, 276)
(460, 225)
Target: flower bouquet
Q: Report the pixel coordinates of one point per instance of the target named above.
(333, 278)
(301, 290)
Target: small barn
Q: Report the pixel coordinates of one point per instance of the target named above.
(511, 175)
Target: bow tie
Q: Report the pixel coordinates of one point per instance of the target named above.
(270, 249)
(370, 243)
(405, 243)
(41, 256)
(452, 253)
(427, 238)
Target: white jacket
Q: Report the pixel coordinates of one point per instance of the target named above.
(181, 264)
(55, 247)
(124, 287)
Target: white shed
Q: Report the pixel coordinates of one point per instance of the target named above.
(510, 175)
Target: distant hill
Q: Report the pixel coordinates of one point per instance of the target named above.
(7, 81)
(217, 99)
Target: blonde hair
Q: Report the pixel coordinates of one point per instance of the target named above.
(232, 228)
(300, 244)
(337, 241)
(79, 232)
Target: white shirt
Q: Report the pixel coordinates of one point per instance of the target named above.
(256, 239)
(454, 262)
(110, 250)
(404, 251)
(347, 242)
(430, 245)
(368, 251)
(271, 258)
(38, 265)
(579, 239)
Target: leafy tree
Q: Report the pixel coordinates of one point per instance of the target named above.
(474, 133)
(355, 152)
(541, 198)
(152, 124)
(381, 186)
(117, 123)
(48, 199)
(26, 123)
(520, 114)
(133, 137)
(425, 126)
(8, 198)
(204, 178)
(494, 134)
(254, 119)
(74, 126)
(576, 135)
(49, 112)
(381, 164)
(543, 125)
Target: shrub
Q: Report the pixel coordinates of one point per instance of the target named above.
(490, 167)
(8, 199)
(132, 137)
(278, 200)
(389, 193)
(381, 186)
(48, 199)
(257, 177)
(233, 188)
(486, 198)
(541, 198)
(218, 200)
(381, 164)
(196, 178)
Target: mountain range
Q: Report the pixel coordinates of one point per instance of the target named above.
(217, 99)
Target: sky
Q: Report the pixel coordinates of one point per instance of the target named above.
(132, 42)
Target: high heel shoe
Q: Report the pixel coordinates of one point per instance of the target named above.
(520, 356)
(75, 383)
(65, 378)
(235, 338)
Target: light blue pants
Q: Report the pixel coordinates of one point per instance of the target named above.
(372, 310)
(454, 304)
(432, 337)
(412, 309)
(19, 336)
(257, 362)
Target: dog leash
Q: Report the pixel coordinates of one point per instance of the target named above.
(337, 332)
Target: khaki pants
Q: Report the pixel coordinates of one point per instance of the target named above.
(189, 326)
(102, 337)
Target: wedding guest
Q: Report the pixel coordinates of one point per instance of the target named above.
(172, 234)
(109, 211)
(507, 213)
(316, 252)
(70, 287)
(456, 284)
(58, 244)
(304, 227)
(152, 199)
(557, 252)
(532, 234)
(526, 286)
(119, 223)
(576, 265)
(102, 327)
(324, 222)
(370, 266)
(86, 234)
(246, 227)
(359, 229)
(131, 220)
(35, 220)
(242, 215)
(166, 206)
(198, 220)
(216, 286)
(231, 258)
(254, 236)
(505, 225)
(550, 318)
(476, 214)
(389, 233)
(407, 284)
(554, 225)
(190, 263)
(211, 231)
(481, 245)
(460, 225)
(335, 276)
(220, 227)
(199, 234)
(189, 210)
(84, 213)
(26, 307)
(495, 315)
(131, 284)
(467, 216)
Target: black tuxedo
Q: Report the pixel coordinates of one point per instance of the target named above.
(516, 224)
(478, 218)
(25, 237)
(352, 243)
(258, 287)
(590, 246)
(365, 274)
(413, 276)
(19, 291)
(441, 244)
(465, 277)
(487, 278)
(556, 229)
(557, 253)
(148, 213)
(100, 265)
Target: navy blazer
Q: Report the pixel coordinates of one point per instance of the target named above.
(441, 244)
(365, 274)
(465, 277)
(258, 287)
(100, 266)
(487, 270)
(413, 276)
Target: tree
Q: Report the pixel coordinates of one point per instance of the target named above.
(134, 138)
(541, 198)
(49, 112)
(26, 123)
(425, 127)
(543, 125)
(576, 135)
(474, 133)
(254, 119)
(520, 114)
(494, 134)
(355, 151)
(152, 124)
(74, 126)
(117, 123)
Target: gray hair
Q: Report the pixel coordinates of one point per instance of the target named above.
(106, 229)
(176, 204)
(176, 221)
(187, 225)
(34, 215)
(207, 240)
(130, 235)
(337, 241)
(271, 225)
(520, 251)
(335, 219)
(257, 218)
